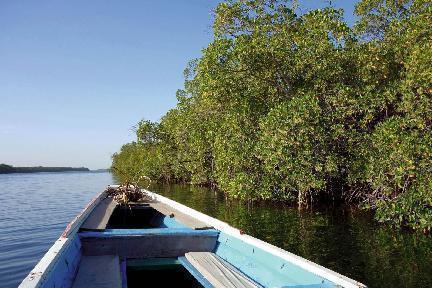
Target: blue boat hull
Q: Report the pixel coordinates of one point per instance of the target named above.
(241, 256)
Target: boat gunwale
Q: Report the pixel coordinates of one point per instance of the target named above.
(41, 270)
(74, 225)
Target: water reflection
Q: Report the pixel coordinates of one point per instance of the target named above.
(344, 240)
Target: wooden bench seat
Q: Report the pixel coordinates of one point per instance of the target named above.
(147, 243)
(217, 271)
(99, 272)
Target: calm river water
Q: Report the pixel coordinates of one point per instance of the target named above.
(35, 208)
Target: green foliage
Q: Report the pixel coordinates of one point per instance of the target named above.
(399, 161)
(299, 107)
(147, 132)
(292, 148)
(395, 156)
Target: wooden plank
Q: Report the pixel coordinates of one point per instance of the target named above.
(164, 244)
(99, 272)
(217, 271)
(194, 272)
(100, 215)
(185, 219)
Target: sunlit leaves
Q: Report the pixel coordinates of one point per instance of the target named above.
(295, 107)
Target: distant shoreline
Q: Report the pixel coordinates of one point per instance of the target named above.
(8, 169)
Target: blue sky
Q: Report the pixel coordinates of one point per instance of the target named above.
(75, 76)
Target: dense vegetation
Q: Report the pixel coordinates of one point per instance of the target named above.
(304, 108)
(6, 169)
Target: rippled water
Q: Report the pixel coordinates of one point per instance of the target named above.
(35, 208)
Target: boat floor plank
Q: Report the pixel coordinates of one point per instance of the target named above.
(217, 271)
(181, 217)
(99, 272)
(100, 216)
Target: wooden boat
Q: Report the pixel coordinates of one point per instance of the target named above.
(162, 243)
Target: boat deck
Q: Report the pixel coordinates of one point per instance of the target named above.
(112, 245)
(184, 237)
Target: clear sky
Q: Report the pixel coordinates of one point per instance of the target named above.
(75, 76)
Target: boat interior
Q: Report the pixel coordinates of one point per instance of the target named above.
(142, 243)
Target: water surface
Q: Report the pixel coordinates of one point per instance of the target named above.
(35, 208)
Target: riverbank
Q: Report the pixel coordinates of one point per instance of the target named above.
(8, 169)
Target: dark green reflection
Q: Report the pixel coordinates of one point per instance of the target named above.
(347, 241)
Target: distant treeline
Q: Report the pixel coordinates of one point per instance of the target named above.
(5, 169)
(304, 108)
